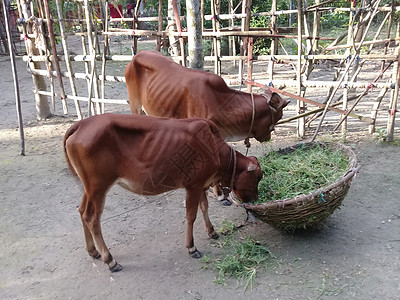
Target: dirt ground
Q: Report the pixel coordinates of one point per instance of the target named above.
(354, 255)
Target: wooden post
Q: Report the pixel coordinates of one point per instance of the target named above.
(231, 43)
(160, 21)
(274, 44)
(300, 104)
(92, 48)
(350, 41)
(388, 31)
(67, 59)
(136, 26)
(106, 46)
(246, 9)
(375, 108)
(173, 40)
(178, 25)
(395, 93)
(216, 41)
(42, 105)
(91, 85)
(83, 41)
(15, 76)
(55, 56)
(249, 63)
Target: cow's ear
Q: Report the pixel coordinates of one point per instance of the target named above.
(251, 168)
(277, 102)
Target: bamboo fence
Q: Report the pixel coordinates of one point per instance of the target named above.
(96, 28)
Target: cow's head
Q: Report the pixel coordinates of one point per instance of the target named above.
(247, 178)
(266, 120)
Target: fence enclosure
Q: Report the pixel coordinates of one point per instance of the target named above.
(371, 39)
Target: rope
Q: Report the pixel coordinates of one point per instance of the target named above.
(234, 168)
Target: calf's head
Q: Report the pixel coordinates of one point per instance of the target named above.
(247, 178)
(269, 116)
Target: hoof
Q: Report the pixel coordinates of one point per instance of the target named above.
(214, 236)
(196, 254)
(116, 268)
(226, 202)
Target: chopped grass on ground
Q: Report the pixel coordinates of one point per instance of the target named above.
(240, 259)
(287, 175)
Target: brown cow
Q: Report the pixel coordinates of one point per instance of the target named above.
(160, 87)
(148, 156)
(164, 88)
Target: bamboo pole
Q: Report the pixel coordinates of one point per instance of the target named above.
(375, 108)
(308, 113)
(46, 53)
(40, 9)
(394, 94)
(350, 43)
(345, 72)
(348, 112)
(106, 46)
(391, 15)
(160, 21)
(55, 56)
(246, 4)
(95, 100)
(92, 48)
(15, 77)
(279, 58)
(83, 41)
(92, 79)
(300, 104)
(67, 60)
(274, 43)
(216, 41)
(303, 99)
(178, 25)
(249, 63)
(232, 46)
(135, 26)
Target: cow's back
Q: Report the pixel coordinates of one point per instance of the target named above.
(164, 88)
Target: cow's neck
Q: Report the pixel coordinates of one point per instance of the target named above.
(228, 159)
(236, 118)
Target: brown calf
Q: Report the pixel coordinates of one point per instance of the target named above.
(149, 156)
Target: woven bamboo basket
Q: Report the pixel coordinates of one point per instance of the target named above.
(307, 210)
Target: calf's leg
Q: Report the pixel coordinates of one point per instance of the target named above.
(91, 216)
(220, 195)
(90, 246)
(204, 209)
(192, 204)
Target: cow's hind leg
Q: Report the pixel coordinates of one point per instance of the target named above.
(192, 204)
(89, 242)
(91, 216)
(204, 209)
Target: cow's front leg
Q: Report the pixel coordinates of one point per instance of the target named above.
(192, 203)
(204, 209)
(220, 194)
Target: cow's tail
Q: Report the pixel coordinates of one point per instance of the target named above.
(70, 132)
